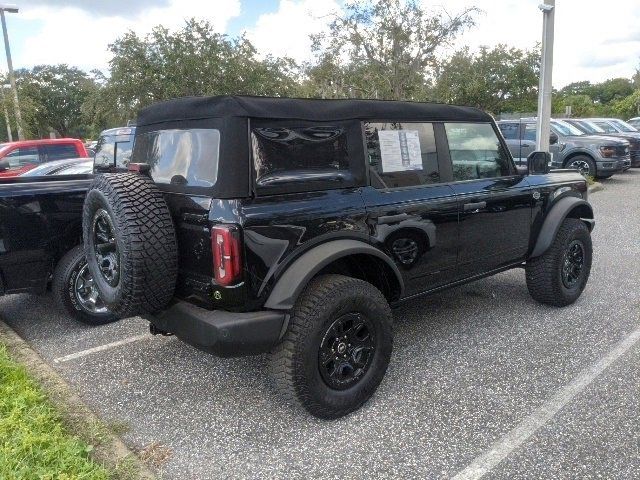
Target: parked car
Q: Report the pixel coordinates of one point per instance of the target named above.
(40, 241)
(71, 166)
(591, 128)
(634, 122)
(592, 155)
(19, 157)
(290, 226)
(113, 149)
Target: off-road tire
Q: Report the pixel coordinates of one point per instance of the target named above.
(145, 238)
(544, 273)
(63, 288)
(294, 362)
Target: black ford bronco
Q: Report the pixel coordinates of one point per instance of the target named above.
(248, 225)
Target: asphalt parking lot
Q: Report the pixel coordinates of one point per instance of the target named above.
(482, 380)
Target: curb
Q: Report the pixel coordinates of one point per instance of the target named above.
(595, 187)
(80, 420)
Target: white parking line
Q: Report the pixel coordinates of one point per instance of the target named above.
(102, 348)
(543, 414)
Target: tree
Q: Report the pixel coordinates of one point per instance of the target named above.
(499, 79)
(51, 97)
(628, 107)
(581, 105)
(194, 60)
(382, 49)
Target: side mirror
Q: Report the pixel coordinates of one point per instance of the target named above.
(553, 138)
(4, 165)
(538, 163)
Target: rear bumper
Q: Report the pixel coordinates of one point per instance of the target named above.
(225, 334)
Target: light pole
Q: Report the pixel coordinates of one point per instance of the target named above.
(12, 79)
(543, 123)
(6, 113)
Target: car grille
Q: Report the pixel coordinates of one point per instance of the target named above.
(622, 151)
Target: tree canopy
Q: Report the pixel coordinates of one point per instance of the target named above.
(387, 49)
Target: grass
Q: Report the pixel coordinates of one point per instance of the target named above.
(33, 441)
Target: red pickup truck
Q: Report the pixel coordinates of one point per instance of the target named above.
(17, 158)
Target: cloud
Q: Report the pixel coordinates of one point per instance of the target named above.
(78, 37)
(286, 31)
(99, 7)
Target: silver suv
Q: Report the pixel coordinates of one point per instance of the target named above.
(594, 155)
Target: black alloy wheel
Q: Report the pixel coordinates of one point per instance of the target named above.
(573, 263)
(346, 351)
(106, 248)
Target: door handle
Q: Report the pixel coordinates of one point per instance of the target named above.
(386, 219)
(474, 207)
(526, 145)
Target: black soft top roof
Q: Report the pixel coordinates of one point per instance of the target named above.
(193, 108)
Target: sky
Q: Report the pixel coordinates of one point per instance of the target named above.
(594, 40)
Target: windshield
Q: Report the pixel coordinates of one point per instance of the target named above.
(566, 129)
(589, 127)
(624, 126)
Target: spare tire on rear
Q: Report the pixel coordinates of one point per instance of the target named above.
(130, 243)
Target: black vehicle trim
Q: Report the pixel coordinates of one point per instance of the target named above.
(554, 219)
(222, 333)
(301, 271)
(462, 281)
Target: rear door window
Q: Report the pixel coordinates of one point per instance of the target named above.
(476, 151)
(401, 154)
(61, 151)
(291, 157)
(510, 131)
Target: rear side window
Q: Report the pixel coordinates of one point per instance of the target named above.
(529, 132)
(180, 157)
(304, 157)
(476, 151)
(510, 131)
(401, 154)
(61, 151)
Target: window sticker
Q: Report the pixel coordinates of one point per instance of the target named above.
(400, 150)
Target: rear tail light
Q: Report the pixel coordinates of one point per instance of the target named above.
(227, 254)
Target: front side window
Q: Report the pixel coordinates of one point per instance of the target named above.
(476, 152)
(401, 154)
(300, 158)
(22, 156)
(180, 157)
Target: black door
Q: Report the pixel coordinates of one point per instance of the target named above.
(411, 214)
(495, 204)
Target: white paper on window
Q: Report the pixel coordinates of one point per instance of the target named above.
(400, 150)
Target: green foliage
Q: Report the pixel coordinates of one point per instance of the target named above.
(500, 79)
(34, 444)
(194, 60)
(382, 49)
(628, 107)
(51, 97)
(581, 105)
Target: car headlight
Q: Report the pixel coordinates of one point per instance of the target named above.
(607, 151)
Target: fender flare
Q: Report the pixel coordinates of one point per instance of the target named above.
(554, 219)
(296, 277)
